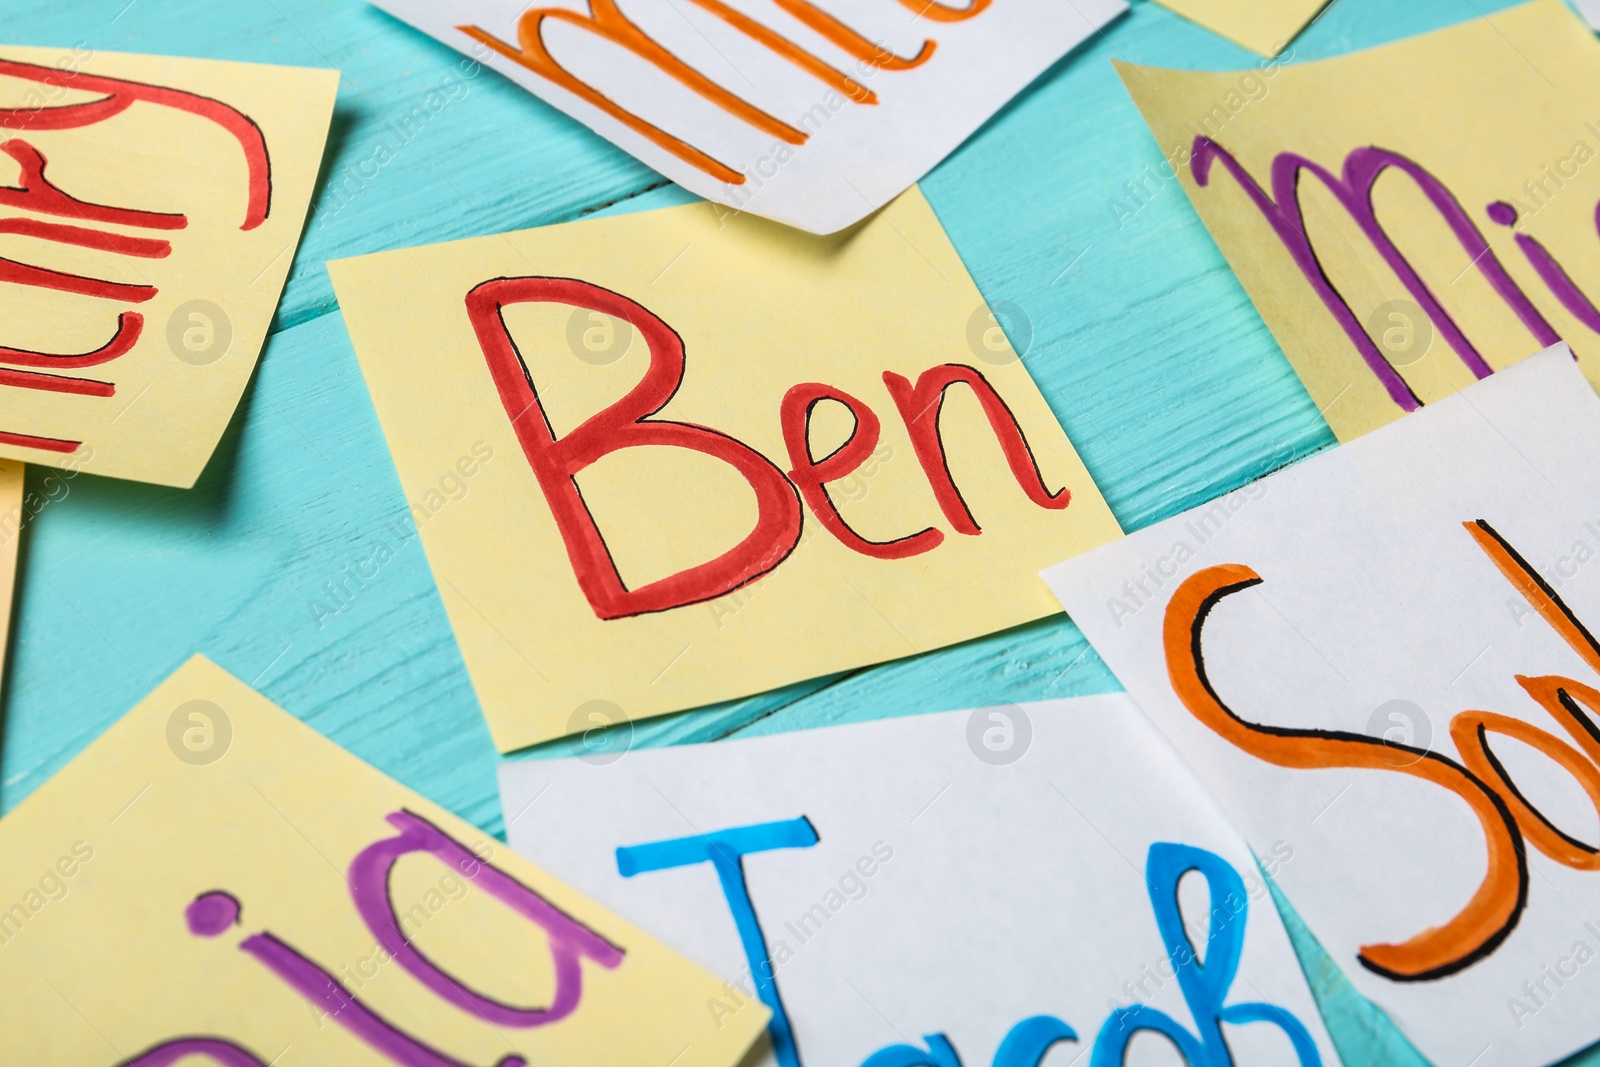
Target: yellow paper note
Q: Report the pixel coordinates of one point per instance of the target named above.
(1263, 26)
(214, 878)
(149, 212)
(768, 485)
(10, 535)
(1409, 218)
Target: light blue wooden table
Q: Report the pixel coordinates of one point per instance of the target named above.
(1147, 349)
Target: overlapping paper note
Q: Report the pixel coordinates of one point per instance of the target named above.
(1407, 219)
(1264, 26)
(213, 879)
(666, 459)
(982, 886)
(11, 520)
(1385, 657)
(149, 212)
(812, 115)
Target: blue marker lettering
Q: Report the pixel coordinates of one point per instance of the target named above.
(725, 850)
(1205, 986)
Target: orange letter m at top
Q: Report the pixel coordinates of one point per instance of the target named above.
(609, 23)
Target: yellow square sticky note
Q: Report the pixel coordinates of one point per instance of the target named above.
(661, 460)
(149, 212)
(1263, 26)
(11, 520)
(1407, 219)
(214, 878)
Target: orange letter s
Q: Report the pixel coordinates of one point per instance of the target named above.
(1494, 909)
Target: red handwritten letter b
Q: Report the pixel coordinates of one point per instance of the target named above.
(557, 462)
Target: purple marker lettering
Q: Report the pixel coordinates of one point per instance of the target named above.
(570, 941)
(346, 1009)
(1550, 271)
(215, 1049)
(210, 914)
(1362, 168)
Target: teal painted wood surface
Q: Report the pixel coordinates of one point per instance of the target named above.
(1143, 343)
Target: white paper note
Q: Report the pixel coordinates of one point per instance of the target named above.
(812, 117)
(1356, 656)
(985, 879)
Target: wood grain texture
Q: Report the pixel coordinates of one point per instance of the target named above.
(1143, 343)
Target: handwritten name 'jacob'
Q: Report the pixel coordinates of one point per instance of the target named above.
(1205, 979)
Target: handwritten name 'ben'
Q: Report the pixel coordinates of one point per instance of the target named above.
(780, 496)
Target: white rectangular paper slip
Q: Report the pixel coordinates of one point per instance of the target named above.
(1384, 656)
(815, 115)
(984, 879)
